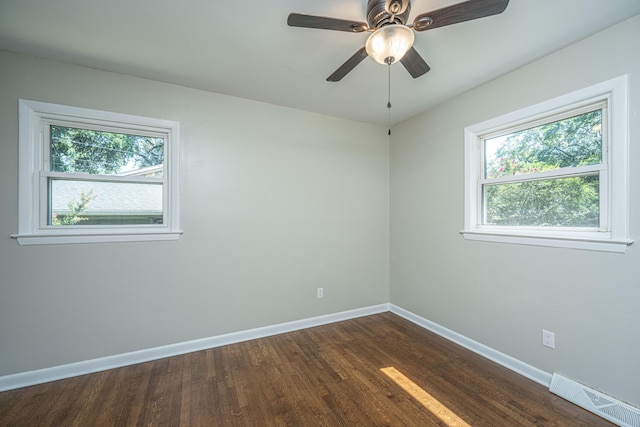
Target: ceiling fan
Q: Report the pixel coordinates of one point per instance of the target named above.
(387, 20)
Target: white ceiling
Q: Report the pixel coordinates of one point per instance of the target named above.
(245, 48)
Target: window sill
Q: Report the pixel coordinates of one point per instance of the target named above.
(60, 239)
(609, 245)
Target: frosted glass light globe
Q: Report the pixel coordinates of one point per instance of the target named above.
(387, 45)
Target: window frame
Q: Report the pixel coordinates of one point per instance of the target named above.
(34, 172)
(612, 235)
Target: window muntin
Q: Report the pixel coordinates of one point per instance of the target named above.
(546, 175)
(95, 176)
(600, 174)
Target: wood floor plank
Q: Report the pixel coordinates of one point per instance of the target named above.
(378, 370)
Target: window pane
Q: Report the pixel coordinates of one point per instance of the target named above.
(104, 203)
(106, 153)
(571, 142)
(563, 202)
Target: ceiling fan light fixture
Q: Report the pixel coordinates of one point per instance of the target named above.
(388, 44)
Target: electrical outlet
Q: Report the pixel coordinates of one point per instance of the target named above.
(320, 293)
(548, 339)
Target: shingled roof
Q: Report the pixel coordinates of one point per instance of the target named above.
(109, 198)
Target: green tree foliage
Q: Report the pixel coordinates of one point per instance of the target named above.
(559, 202)
(75, 210)
(566, 202)
(96, 152)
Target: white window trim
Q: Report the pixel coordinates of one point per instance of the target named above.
(615, 239)
(31, 158)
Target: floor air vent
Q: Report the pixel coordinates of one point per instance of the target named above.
(596, 402)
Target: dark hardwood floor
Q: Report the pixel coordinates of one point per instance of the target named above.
(372, 371)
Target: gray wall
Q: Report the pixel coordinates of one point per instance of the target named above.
(274, 203)
(504, 295)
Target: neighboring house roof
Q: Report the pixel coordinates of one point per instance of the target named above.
(149, 171)
(110, 198)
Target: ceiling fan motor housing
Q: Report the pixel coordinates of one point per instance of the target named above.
(377, 15)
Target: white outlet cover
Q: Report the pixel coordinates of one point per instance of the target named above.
(548, 339)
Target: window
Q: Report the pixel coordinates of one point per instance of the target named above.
(554, 174)
(95, 176)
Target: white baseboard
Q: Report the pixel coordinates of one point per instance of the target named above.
(500, 358)
(24, 379)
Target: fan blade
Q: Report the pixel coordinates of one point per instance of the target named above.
(414, 63)
(323, 23)
(461, 12)
(349, 65)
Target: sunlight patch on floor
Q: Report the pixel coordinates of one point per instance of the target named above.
(428, 401)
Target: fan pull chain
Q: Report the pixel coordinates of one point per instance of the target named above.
(389, 96)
